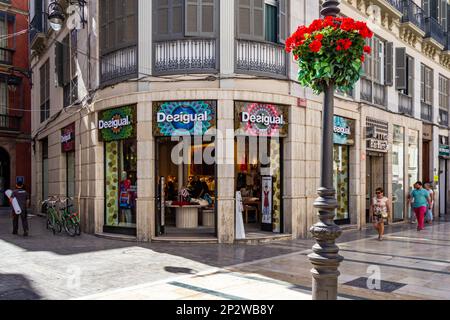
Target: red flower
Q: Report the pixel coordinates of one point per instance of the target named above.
(315, 46)
(296, 57)
(343, 44)
(362, 58)
(319, 37)
(367, 49)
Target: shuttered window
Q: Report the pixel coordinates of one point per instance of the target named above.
(118, 24)
(262, 20)
(443, 93)
(389, 64)
(44, 80)
(176, 19)
(410, 73)
(426, 84)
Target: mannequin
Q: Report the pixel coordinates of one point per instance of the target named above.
(125, 197)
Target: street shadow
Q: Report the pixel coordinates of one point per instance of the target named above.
(16, 287)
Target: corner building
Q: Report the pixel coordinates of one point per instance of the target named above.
(150, 98)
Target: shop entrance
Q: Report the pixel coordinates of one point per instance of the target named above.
(426, 162)
(375, 178)
(186, 187)
(4, 176)
(258, 179)
(443, 182)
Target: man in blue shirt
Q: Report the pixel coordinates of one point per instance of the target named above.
(420, 199)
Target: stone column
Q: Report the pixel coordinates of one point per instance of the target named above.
(146, 173)
(225, 171)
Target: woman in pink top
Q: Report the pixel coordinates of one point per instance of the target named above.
(380, 210)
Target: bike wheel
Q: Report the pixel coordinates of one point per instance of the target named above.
(78, 229)
(58, 227)
(70, 228)
(49, 224)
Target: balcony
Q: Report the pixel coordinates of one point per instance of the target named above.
(426, 113)
(405, 104)
(185, 56)
(413, 14)
(6, 56)
(434, 31)
(261, 58)
(38, 30)
(118, 65)
(9, 123)
(397, 4)
(443, 118)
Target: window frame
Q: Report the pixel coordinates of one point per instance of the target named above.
(44, 99)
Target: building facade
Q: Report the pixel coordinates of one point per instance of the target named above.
(15, 118)
(150, 103)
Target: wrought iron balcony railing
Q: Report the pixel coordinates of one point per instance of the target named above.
(435, 31)
(260, 58)
(443, 118)
(6, 56)
(9, 123)
(397, 4)
(413, 13)
(426, 112)
(185, 56)
(118, 65)
(405, 104)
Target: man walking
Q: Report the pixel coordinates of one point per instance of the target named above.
(23, 198)
(421, 201)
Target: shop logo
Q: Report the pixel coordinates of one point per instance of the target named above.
(184, 118)
(115, 124)
(65, 138)
(342, 130)
(262, 119)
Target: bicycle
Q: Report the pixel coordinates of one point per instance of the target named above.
(53, 218)
(70, 220)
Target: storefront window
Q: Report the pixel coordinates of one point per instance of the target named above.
(398, 176)
(121, 183)
(413, 163)
(186, 169)
(118, 131)
(70, 174)
(341, 181)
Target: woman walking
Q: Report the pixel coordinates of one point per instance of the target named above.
(429, 218)
(421, 201)
(380, 210)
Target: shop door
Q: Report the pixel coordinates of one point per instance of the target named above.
(442, 187)
(426, 162)
(375, 179)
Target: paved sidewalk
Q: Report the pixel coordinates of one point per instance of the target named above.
(411, 265)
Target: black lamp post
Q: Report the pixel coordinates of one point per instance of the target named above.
(325, 257)
(57, 17)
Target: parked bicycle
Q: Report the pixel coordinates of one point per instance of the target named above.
(59, 216)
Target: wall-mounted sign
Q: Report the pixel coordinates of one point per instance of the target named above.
(259, 119)
(68, 138)
(344, 131)
(181, 118)
(117, 124)
(377, 140)
(444, 151)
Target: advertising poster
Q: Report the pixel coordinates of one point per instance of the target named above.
(266, 203)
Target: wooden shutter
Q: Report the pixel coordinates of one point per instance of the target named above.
(410, 67)
(283, 28)
(66, 61)
(168, 19)
(444, 14)
(103, 17)
(433, 7)
(250, 19)
(429, 84)
(422, 83)
(426, 7)
(389, 64)
(400, 69)
(200, 16)
(59, 63)
(130, 22)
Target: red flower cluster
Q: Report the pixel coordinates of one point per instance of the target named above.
(343, 44)
(367, 49)
(315, 46)
(345, 24)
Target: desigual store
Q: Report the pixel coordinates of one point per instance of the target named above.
(195, 169)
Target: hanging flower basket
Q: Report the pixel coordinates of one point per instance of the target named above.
(330, 51)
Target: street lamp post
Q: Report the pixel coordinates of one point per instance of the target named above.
(325, 257)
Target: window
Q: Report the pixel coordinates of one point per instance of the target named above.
(176, 19)
(436, 9)
(44, 73)
(404, 72)
(378, 71)
(426, 85)
(262, 20)
(443, 100)
(66, 65)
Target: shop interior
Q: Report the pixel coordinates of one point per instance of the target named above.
(186, 190)
(258, 179)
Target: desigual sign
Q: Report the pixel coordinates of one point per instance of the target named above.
(68, 138)
(117, 124)
(259, 119)
(343, 131)
(178, 118)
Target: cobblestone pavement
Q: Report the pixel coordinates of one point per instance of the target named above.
(411, 265)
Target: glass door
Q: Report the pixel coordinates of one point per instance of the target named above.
(398, 174)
